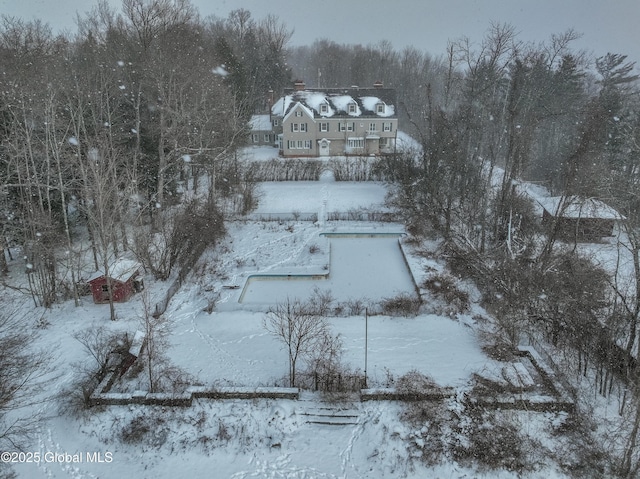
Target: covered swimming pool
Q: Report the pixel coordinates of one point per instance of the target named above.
(361, 265)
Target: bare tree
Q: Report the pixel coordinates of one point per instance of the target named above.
(154, 343)
(183, 235)
(299, 327)
(22, 374)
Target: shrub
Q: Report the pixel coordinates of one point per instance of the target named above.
(135, 430)
(491, 440)
(414, 383)
(320, 301)
(354, 307)
(426, 418)
(149, 429)
(403, 304)
(444, 286)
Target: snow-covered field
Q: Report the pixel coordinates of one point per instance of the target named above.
(232, 348)
(312, 196)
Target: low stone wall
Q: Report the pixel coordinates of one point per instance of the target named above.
(186, 399)
(557, 400)
(549, 376)
(392, 394)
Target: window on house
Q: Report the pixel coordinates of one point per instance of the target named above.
(351, 126)
(255, 138)
(307, 144)
(324, 126)
(355, 142)
(342, 126)
(298, 113)
(267, 138)
(276, 122)
(299, 145)
(303, 127)
(386, 126)
(105, 288)
(324, 108)
(373, 127)
(295, 127)
(380, 108)
(352, 107)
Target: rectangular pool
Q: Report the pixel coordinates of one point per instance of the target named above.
(361, 267)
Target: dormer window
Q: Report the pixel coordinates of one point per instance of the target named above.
(352, 107)
(380, 108)
(324, 108)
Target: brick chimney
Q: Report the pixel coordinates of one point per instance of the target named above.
(299, 85)
(378, 84)
(270, 102)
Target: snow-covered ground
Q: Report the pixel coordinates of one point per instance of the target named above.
(232, 348)
(312, 196)
(262, 438)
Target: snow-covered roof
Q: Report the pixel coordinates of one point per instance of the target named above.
(122, 270)
(260, 123)
(302, 106)
(371, 103)
(576, 207)
(365, 100)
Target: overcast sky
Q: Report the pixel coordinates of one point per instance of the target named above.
(606, 25)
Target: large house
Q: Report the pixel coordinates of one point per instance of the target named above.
(332, 122)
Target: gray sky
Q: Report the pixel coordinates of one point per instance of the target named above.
(606, 25)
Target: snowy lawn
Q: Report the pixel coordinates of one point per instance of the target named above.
(233, 348)
(309, 196)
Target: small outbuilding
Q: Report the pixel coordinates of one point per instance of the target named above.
(579, 218)
(126, 280)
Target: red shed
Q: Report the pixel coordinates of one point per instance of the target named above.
(125, 280)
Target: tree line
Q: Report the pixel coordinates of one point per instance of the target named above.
(135, 119)
(488, 116)
(109, 126)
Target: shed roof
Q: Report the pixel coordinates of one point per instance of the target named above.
(577, 207)
(121, 269)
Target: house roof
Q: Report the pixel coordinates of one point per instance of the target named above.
(577, 207)
(121, 270)
(338, 100)
(260, 123)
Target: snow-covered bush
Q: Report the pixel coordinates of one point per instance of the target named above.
(403, 304)
(425, 418)
(489, 440)
(445, 286)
